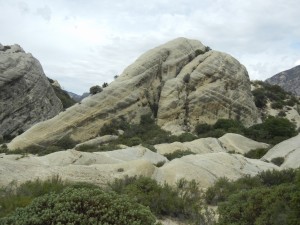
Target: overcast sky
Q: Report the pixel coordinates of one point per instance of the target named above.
(81, 43)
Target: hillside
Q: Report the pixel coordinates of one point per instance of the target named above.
(289, 80)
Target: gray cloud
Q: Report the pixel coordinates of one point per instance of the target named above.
(82, 44)
(44, 12)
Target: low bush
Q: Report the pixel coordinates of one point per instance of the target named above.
(182, 202)
(277, 161)
(226, 124)
(95, 89)
(82, 206)
(202, 128)
(277, 205)
(178, 154)
(223, 188)
(256, 153)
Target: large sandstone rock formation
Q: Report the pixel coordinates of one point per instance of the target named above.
(26, 96)
(289, 80)
(181, 83)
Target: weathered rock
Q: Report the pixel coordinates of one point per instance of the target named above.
(289, 150)
(98, 140)
(217, 86)
(227, 143)
(98, 168)
(240, 144)
(26, 96)
(207, 168)
(289, 80)
(199, 146)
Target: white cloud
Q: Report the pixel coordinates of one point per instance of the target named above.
(82, 43)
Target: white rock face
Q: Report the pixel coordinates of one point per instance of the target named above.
(26, 96)
(240, 144)
(181, 83)
(289, 150)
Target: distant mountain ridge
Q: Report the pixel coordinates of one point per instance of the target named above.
(289, 80)
(76, 97)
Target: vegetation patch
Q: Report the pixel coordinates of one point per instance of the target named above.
(178, 154)
(272, 131)
(277, 161)
(256, 153)
(82, 206)
(185, 201)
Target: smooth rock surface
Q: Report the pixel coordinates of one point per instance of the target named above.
(207, 168)
(240, 144)
(198, 146)
(26, 96)
(98, 168)
(289, 150)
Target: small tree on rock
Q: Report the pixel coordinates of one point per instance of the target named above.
(95, 89)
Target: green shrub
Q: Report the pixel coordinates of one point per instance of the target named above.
(260, 98)
(160, 163)
(183, 202)
(275, 177)
(256, 153)
(278, 161)
(82, 206)
(202, 128)
(277, 205)
(185, 137)
(277, 105)
(216, 133)
(281, 113)
(3, 148)
(226, 124)
(223, 188)
(95, 89)
(66, 142)
(273, 130)
(178, 154)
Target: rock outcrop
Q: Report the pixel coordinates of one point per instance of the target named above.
(289, 150)
(26, 96)
(181, 83)
(289, 80)
(102, 167)
(233, 143)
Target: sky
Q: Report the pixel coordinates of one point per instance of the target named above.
(82, 43)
